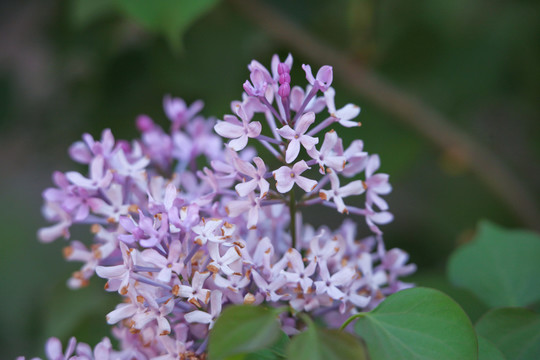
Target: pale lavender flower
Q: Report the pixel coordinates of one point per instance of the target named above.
(84, 151)
(255, 65)
(330, 284)
(318, 253)
(172, 263)
(177, 346)
(309, 302)
(380, 218)
(337, 193)
(298, 97)
(203, 317)
(135, 170)
(323, 79)
(206, 231)
(148, 231)
(157, 144)
(269, 289)
(345, 114)
(99, 177)
(224, 262)
(232, 128)
(261, 257)
(257, 177)
(158, 314)
(276, 62)
(122, 311)
(395, 261)
(298, 136)
(251, 205)
(299, 273)
(115, 206)
(376, 184)
(53, 349)
(178, 112)
(356, 159)
(119, 276)
(353, 297)
(286, 177)
(54, 212)
(259, 84)
(327, 156)
(195, 293)
(234, 287)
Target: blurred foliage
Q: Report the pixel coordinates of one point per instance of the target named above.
(500, 267)
(169, 18)
(74, 66)
(514, 331)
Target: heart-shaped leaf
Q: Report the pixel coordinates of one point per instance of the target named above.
(500, 266)
(514, 331)
(418, 323)
(243, 329)
(323, 344)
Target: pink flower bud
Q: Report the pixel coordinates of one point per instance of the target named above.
(144, 123)
(284, 90)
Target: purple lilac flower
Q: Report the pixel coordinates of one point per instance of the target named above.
(232, 128)
(298, 136)
(180, 242)
(286, 177)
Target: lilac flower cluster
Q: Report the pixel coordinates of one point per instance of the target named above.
(180, 240)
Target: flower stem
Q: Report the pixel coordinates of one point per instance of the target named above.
(292, 209)
(351, 319)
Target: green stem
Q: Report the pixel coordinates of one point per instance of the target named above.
(351, 319)
(292, 209)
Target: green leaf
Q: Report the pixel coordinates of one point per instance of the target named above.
(274, 352)
(243, 329)
(488, 351)
(418, 323)
(84, 12)
(514, 331)
(500, 266)
(472, 306)
(168, 17)
(324, 344)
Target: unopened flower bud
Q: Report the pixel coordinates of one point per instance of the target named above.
(284, 90)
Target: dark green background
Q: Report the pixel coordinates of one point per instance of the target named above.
(66, 69)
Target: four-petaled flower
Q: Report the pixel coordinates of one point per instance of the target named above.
(257, 177)
(300, 273)
(345, 114)
(259, 84)
(330, 284)
(195, 293)
(206, 231)
(327, 156)
(203, 317)
(337, 193)
(232, 128)
(376, 184)
(298, 136)
(286, 177)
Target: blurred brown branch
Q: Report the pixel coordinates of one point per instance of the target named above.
(412, 111)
